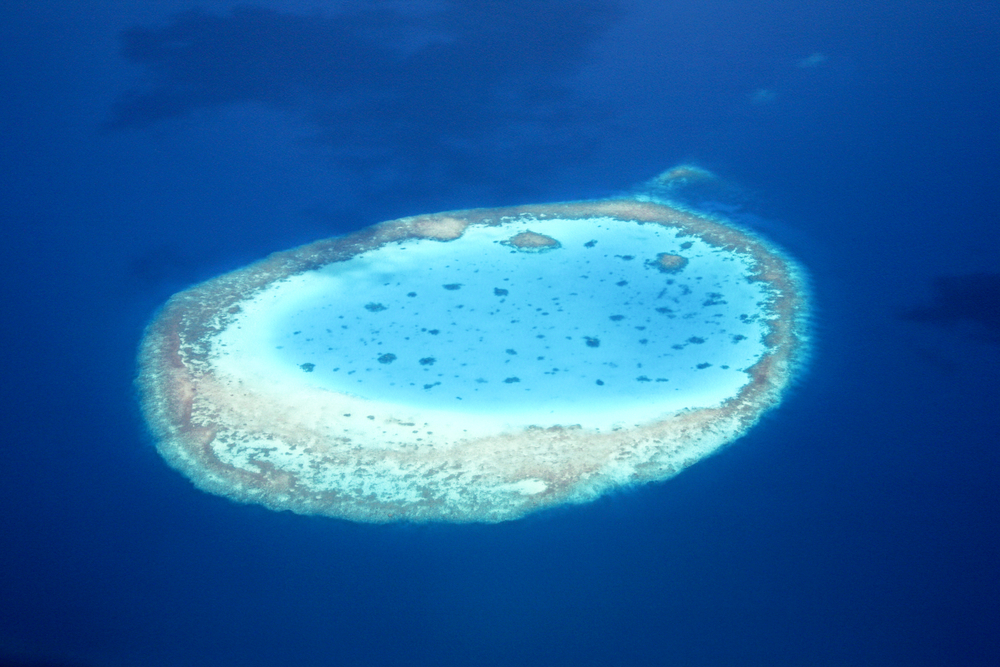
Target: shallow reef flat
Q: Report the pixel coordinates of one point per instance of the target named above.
(476, 365)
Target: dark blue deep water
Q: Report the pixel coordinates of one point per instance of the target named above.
(147, 146)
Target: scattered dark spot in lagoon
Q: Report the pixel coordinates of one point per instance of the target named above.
(714, 299)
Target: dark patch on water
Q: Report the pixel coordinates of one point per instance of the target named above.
(714, 299)
(972, 298)
(393, 62)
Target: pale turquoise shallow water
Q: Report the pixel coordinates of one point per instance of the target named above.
(476, 326)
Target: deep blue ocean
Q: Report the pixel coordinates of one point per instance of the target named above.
(148, 146)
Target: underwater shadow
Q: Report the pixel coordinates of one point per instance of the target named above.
(462, 92)
(970, 299)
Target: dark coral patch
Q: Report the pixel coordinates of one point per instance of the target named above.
(714, 299)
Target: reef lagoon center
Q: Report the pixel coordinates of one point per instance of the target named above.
(479, 365)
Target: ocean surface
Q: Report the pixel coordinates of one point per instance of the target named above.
(149, 146)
